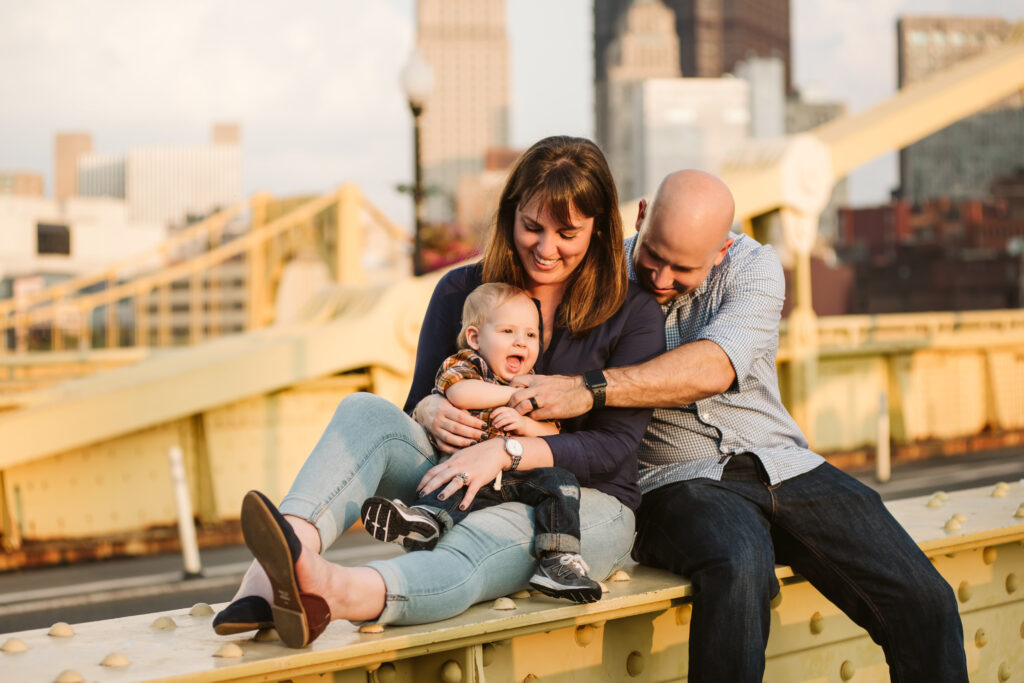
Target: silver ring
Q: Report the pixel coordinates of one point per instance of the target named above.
(533, 402)
(464, 477)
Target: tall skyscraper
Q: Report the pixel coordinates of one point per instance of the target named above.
(467, 111)
(961, 160)
(644, 45)
(69, 147)
(712, 37)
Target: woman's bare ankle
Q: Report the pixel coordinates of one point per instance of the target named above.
(353, 593)
(308, 534)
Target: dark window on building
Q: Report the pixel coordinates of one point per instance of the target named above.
(53, 239)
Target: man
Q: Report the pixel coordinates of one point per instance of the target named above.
(730, 486)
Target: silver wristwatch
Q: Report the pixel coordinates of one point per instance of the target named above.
(514, 448)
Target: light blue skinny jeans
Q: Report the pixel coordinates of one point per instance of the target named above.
(370, 447)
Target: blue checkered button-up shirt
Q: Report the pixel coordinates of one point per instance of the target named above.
(737, 307)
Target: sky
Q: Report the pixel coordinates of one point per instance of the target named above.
(314, 83)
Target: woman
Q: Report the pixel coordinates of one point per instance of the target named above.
(558, 235)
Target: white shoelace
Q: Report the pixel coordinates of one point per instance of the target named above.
(576, 563)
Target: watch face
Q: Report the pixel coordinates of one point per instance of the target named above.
(513, 447)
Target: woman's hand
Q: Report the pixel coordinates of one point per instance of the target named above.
(480, 462)
(451, 428)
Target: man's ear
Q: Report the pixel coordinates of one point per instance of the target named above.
(473, 337)
(724, 249)
(641, 214)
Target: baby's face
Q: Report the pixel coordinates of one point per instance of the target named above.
(509, 340)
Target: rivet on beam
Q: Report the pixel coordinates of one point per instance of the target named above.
(61, 630)
(163, 624)
(1000, 490)
(585, 634)
(619, 575)
(451, 672)
(934, 502)
(964, 591)
(953, 525)
(980, 638)
(386, 673)
(1005, 671)
(1011, 583)
(817, 623)
(228, 650)
(487, 653)
(1020, 512)
(200, 609)
(13, 645)
(266, 635)
(683, 614)
(635, 664)
(503, 603)
(115, 660)
(70, 676)
(941, 495)
(988, 555)
(847, 670)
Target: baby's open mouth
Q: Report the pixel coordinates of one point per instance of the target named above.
(515, 361)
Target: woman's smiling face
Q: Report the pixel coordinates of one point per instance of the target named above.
(549, 250)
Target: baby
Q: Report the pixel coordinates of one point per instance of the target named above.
(500, 339)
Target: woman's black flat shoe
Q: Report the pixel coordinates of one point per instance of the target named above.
(298, 617)
(244, 614)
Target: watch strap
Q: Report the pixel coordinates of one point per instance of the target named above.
(596, 383)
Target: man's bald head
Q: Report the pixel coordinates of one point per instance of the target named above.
(685, 235)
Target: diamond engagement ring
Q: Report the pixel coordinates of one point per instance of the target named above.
(464, 477)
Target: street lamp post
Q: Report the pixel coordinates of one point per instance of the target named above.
(417, 81)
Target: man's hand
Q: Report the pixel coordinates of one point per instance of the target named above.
(451, 428)
(557, 397)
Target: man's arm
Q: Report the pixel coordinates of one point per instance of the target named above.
(677, 377)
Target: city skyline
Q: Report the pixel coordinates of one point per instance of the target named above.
(317, 93)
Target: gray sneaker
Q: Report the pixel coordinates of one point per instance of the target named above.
(394, 522)
(565, 576)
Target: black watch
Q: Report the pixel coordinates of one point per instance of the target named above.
(594, 381)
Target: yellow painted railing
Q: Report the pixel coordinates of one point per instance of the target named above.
(215, 277)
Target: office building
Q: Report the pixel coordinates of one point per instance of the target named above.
(713, 37)
(674, 123)
(21, 183)
(467, 112)
(172, 186)
(68, 148)
(961, 160)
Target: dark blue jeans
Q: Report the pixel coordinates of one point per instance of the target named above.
(726, 537)
(553, 492)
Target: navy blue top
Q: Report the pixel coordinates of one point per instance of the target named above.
(599, 447)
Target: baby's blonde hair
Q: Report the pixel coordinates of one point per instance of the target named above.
(482, 301)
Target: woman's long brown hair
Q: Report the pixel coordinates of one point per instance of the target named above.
(565, 173)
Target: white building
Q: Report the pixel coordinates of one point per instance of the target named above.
(46, 240)
(667, 124)
(172, 186)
